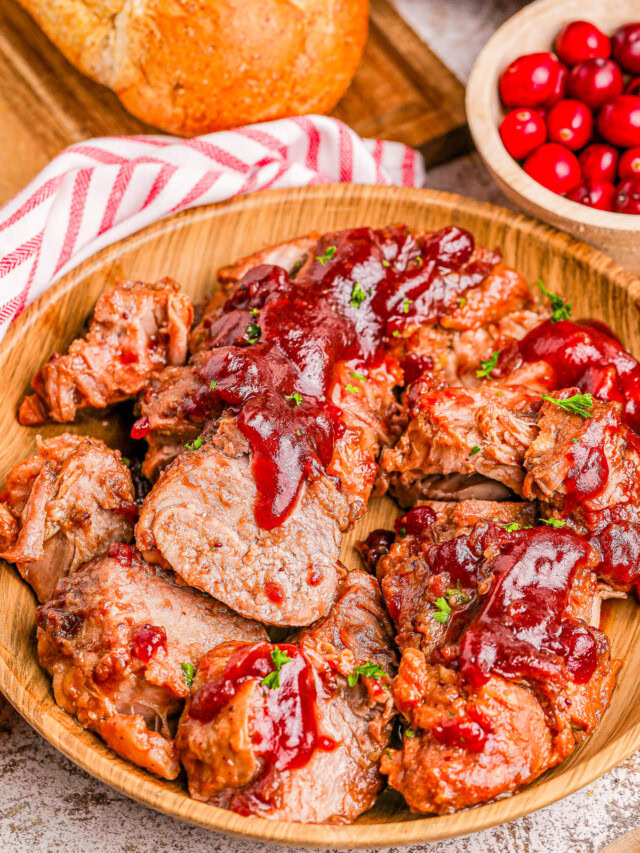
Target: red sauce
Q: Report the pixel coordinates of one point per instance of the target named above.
(275, 592)
(415, 521)
(286, 734)
(279, 337)
(520, 631)
(128, 357)
(124, 554)
(463, 733)
(140, 427)
(129, 510)
(147, 640)
(374, 547)
(582, 356)
(619, 547)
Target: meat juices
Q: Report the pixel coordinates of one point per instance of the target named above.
(136, 330)
(121, 639)
(69, 501)
(308, 749)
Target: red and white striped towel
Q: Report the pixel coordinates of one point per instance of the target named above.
(99, 191)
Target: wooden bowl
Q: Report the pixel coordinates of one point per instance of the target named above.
(190, 247)
(533, 29)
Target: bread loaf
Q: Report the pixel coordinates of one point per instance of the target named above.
(193, 66)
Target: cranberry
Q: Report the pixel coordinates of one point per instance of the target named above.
(628, 195)
(626, 47)
(598, 162)
(522, 131)
(619, 121)
(633, 87)
(560, 88)
(582, 40)
(530, 80)
(629, 163)
(570, 123)
(555, 167)
(595, 81)
(598, 194)
(415, 521)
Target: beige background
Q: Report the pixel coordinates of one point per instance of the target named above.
(47, 804)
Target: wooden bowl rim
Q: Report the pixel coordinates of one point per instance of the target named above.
(146, 789)
(486, 136)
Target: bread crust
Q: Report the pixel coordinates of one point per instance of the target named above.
(195, 66)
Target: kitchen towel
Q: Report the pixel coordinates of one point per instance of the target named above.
(101, 190)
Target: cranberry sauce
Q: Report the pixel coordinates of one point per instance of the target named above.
(374, 547)
(520, 632)
(274, 350)
(468, 733)
(146, 641)
(286, 733)
(582, 356)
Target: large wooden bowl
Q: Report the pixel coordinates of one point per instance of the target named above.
(533, 29)
(191, 246)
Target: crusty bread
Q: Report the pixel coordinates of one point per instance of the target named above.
(193, 66)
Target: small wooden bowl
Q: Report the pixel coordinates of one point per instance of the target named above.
(530, 30)
(191, 246)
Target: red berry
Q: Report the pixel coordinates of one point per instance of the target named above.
(522, 131)
(619, 121)
(560, 88)
(628, 195)
(570, 123)
(629, 163)
(599, 195)
(595, 81)
(626, 47)
(555, 167)
(582, 40)
(530, 80)
(633, 87)
(598, 163)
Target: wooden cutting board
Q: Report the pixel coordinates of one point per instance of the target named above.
(402, 92)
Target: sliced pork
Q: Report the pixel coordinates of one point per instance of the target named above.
(122, 641)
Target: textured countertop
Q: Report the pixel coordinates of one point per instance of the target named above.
(48, 804)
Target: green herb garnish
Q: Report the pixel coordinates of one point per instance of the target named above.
(553, 522)
(352, 389)
(279, 658)
(579, 404)
(196, 444)
(560, 310)
(511, 528)
(357, 375)
(329, 253)
(189, 672)
(396, 334)
(126, 461)
(368, 670)
(475, 449)
(358, 295)
(442, 611)
(409, 733)
(298, 399)
(488, 365)
(253, 333)
(405, 305)
(212, 384)
(385, 263)
(461, 301)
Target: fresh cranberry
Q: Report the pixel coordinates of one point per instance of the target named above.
(626, 47)
(560, 88)
(628, 195)
(530, 80)
(619, 121)
(595, 81)
(555, 167)
(599, 194)
(570, 123)
(415, 521)
(522, 131)
(629, 163)
(633, 86)
(598, 163)
(582, 40)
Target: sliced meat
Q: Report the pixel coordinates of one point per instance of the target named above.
(136, 330)
(199, 519)
(121, 639)
(231, 736)
(71, 499)
(467, 431)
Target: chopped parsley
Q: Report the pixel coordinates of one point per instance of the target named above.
(388, 754)
(553, 522)
(579, 404)
(443, 610)
(279, 658)
(126, 461)
(329, 253)
(298, 433)
(475, 449)
(402, 532)
(575, 440)
(511, 528)
(385, 263)
(461, 301)
(196, 444)
(560, 310)
(296, 267)
(212, 385)
(297, 398)
(189, 672)
(358, 295)
(409, 733)
(488, 365)
(253, 333)
(254, 312)
(405, 305)
(419, 260)
(352, 389)
(396, 334)
(357, 375)
(368, 670)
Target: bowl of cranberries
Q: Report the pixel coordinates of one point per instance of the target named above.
(553, 103)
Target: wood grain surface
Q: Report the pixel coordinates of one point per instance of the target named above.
(401, 92)
(190, 247)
